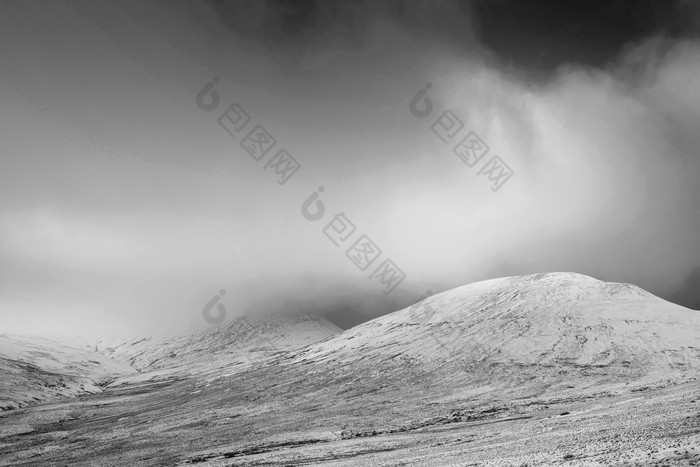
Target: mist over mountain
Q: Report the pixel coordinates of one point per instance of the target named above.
(125, 207)
(332, 232)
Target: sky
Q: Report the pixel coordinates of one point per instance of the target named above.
(126, 205)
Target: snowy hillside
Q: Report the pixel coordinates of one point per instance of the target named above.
(543, 369)
(36, 369)
(544, 327)
(233, 347)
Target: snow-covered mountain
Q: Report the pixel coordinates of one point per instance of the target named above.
(544, 369)
(36, 369)
(236, 346)
(555, 328)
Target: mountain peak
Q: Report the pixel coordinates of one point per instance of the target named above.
(538, 323)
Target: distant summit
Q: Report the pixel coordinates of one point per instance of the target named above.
(237, 345)
(35, 369)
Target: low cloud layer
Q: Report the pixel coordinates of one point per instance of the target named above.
(125, 207)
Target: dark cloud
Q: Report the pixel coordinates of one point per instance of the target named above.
(533, 37)
(538, 36)
(121, 198)
(290, 23)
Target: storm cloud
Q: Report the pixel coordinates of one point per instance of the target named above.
(125, 207)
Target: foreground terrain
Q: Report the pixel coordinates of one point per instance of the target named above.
(232, 425)
(553, 369)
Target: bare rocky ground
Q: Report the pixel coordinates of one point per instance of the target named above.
(555, 369)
